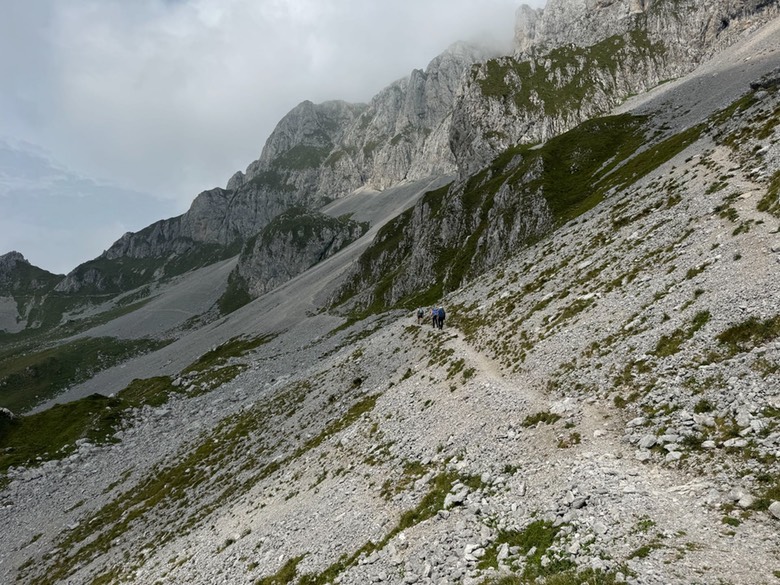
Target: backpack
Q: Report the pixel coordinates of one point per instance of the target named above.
(441, 313)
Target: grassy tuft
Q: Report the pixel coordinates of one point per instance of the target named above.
(545, 417)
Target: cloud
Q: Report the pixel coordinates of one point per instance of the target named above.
(171, 97)
(58, 219)
(157, 100)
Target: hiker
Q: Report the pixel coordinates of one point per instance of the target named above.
(420, 315)
(440, 317)
(434, 317)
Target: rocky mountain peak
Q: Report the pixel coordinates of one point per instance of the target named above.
(305, 136)
(584, 23)
(10, 260)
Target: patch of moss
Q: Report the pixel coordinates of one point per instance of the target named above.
(545, 417)
(233, 348)
(538, 537)
(670, 344)
(770, 202)
(749, 334)
(285, 575)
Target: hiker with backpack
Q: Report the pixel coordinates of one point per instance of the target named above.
(420, 315)
(440, 315)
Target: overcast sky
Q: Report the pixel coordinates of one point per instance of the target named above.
(116, 113)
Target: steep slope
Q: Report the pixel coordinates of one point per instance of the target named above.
(601, 409)
(291, 243)
(283, 308)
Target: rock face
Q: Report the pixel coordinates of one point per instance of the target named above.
(293, 242)
(452, 234)
(576, 59)
(22, 287)
(17, 275)
(317, 152)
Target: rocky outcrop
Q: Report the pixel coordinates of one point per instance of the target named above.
(691, 29)
(293, 242)
(401, 134)
(457, 233)
(22, 288)
(18, 276)
(580, 58)
(8, 264)
(453, 234)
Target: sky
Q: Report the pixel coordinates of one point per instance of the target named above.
(116, 113)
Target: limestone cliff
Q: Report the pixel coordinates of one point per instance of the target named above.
(290, 244)
(317, 152)
(576, 59)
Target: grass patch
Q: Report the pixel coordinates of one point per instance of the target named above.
(430, 504)
(570, 577)
(749, 334)
(233, 348)
(285, 575)
(770, 202)
(27, 379)
(412, 471)
(545, 417)
(52, 434)
(768, 495)
(236, 294)
(538, 537)
(670, 344)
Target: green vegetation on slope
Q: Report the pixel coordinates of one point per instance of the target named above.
(304, 224)
(298, 225)
(113, 276)
(564, 79)
(770, 202)
(563, 178)
(28, 284)
(745, 336)
(233, 348)
(52, 433)
(27, 378)
(236, 294)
